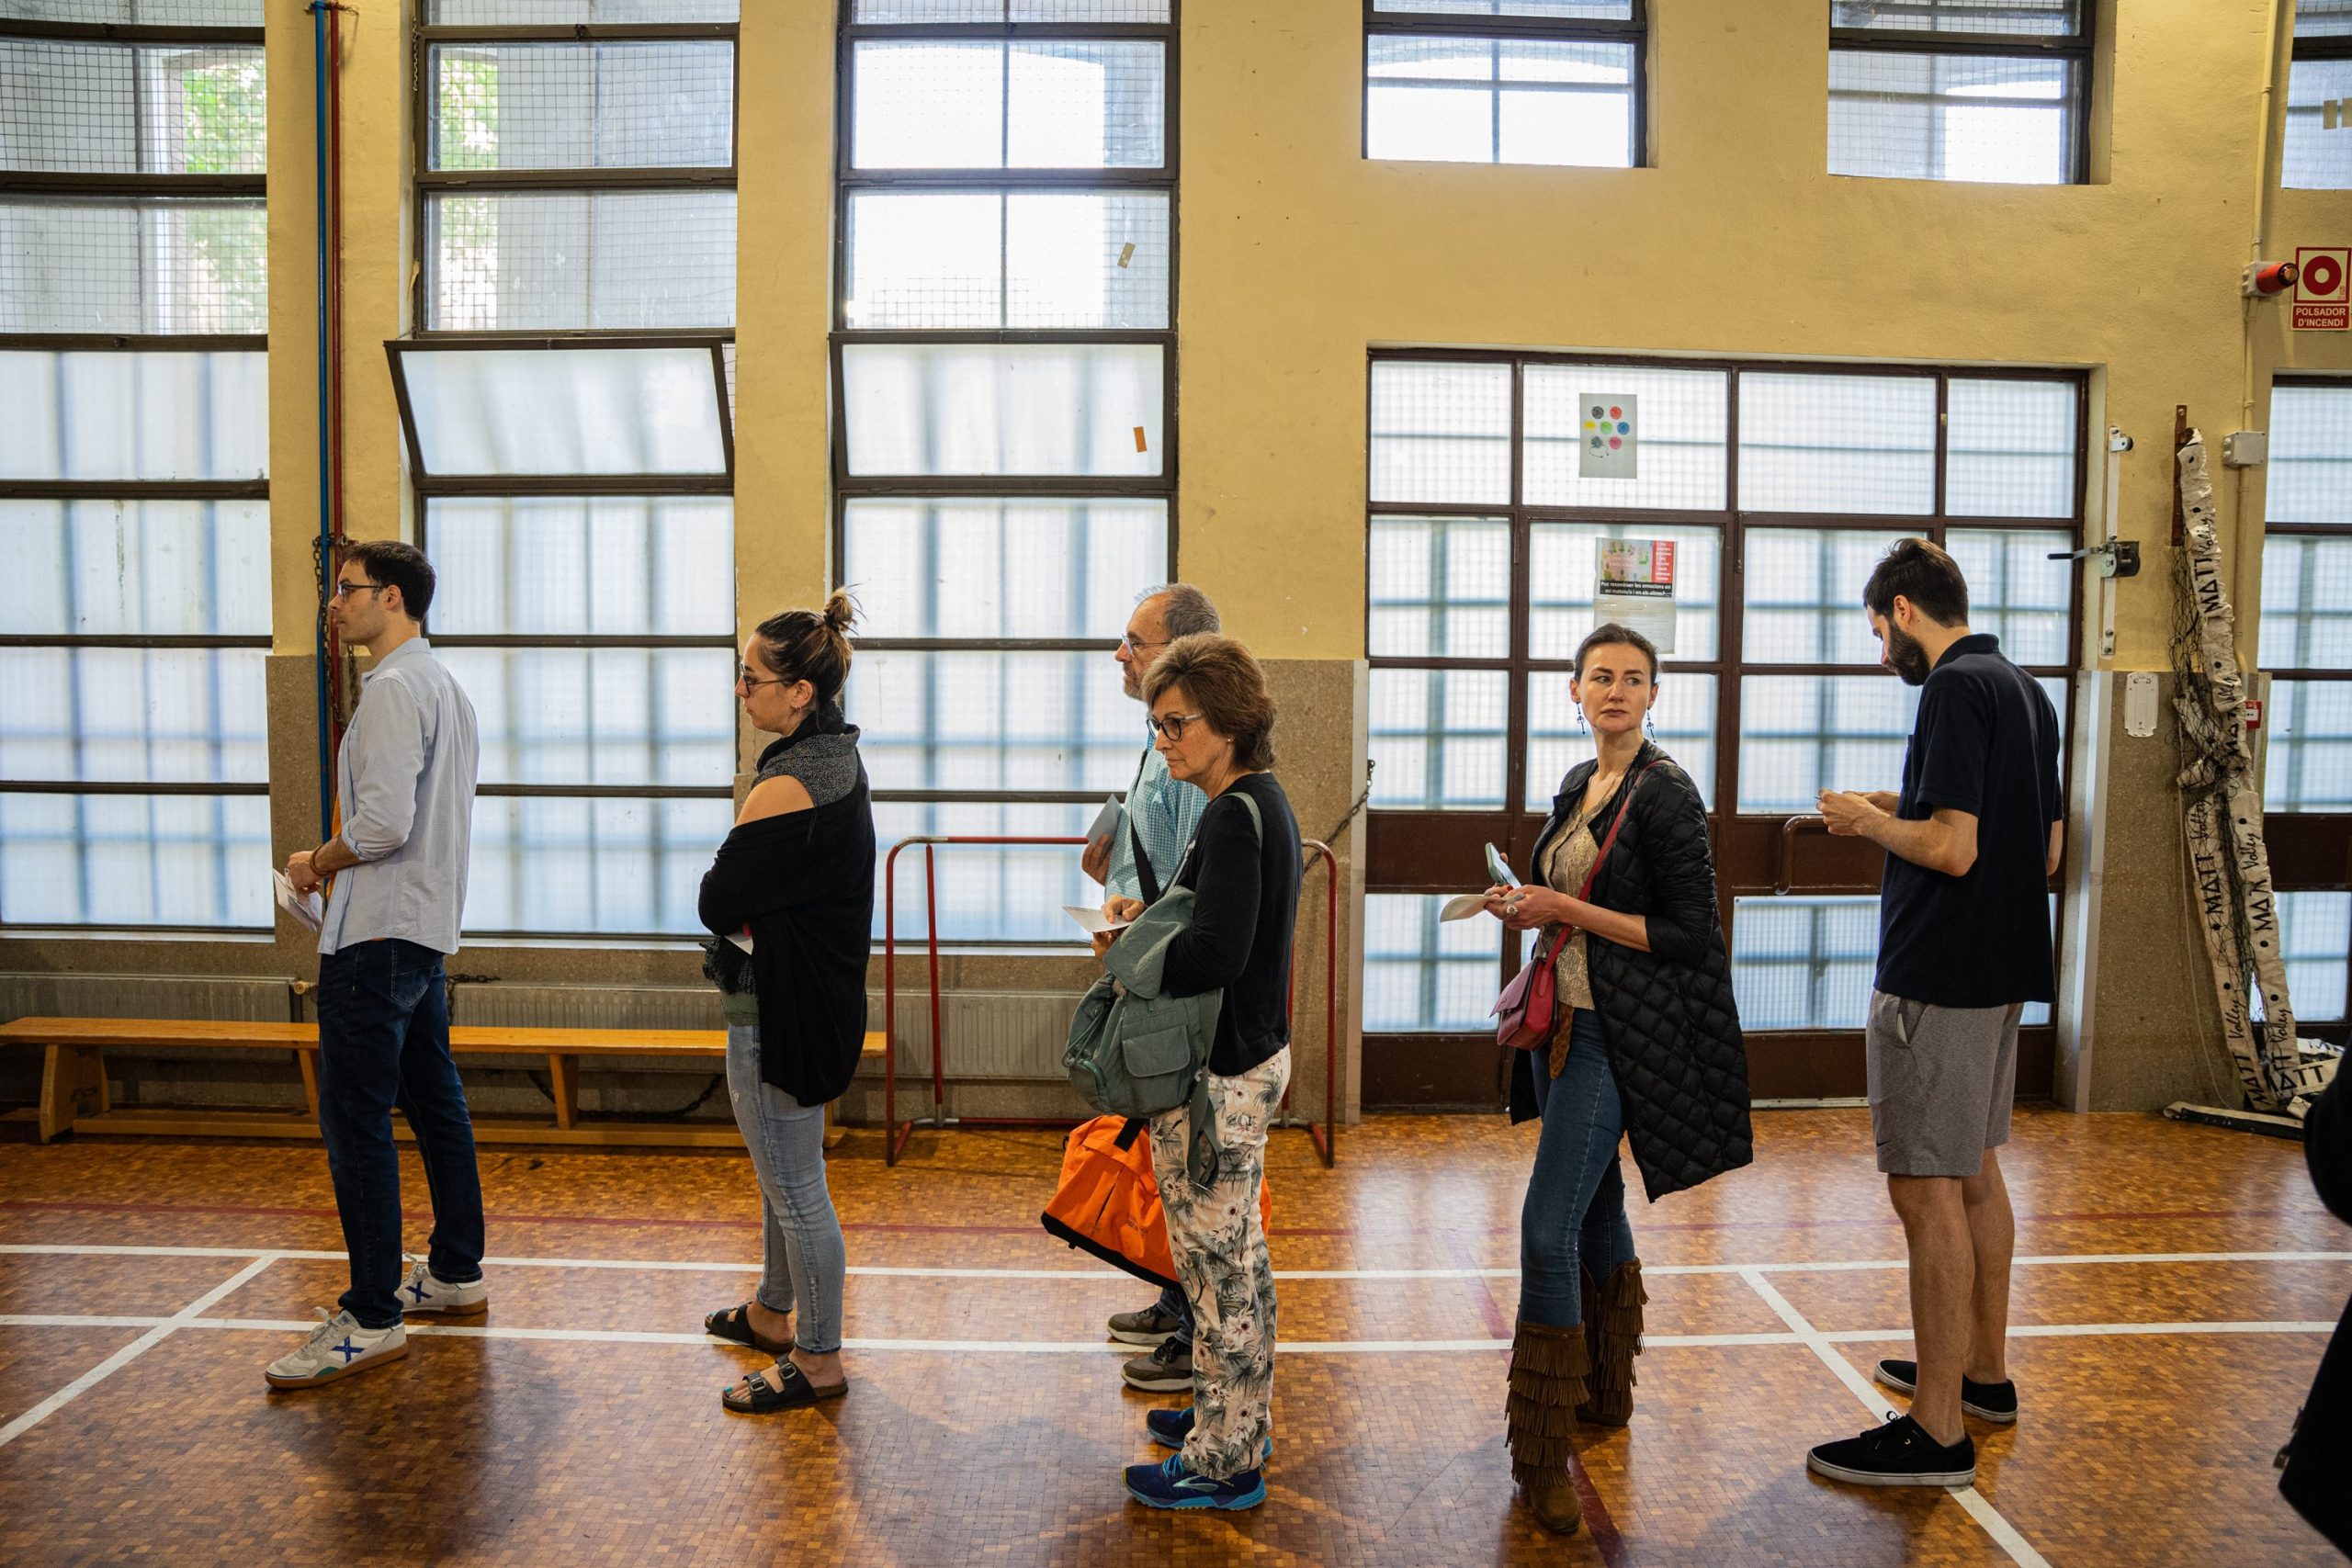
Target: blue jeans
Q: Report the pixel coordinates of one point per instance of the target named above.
(1171, 1301)
(1574, 1217)
(806, 1261)
(384, 1043)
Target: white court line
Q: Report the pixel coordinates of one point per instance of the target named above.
(1868, 1265)
(1972, 1502)
(128, 1353)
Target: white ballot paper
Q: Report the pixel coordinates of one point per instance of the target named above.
(741, 939)
(1462, 906)
(307, 908)
(1092, 921)
(1106, 821)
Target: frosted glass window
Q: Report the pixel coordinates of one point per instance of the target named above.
(1815, 443)
(2016, 591)
(92, 107)
(1801, 734)
(985, 104)
(600, 715)
(2057, 18)
(2315, 938)
(605, 867)
(582, 106)
(1803, 962)
(2313, 156)
(980, 720)
(1564, 559)
(1422, 976)
(1440, 432)
(134, 859)
(1500, 100)
(1557, 10)
(1008, 259)
(986, 570)
(1683, 425)
(134, 416)
(613, 12)
(1440, 587)
(133, 716)
(940, 13)
(2002, 119)
(986, 893)
(572, 410)
(1092, 408)
(566, 260)
(2310, 473)
(2306, 602)
(1805, 595)
(133, 264)
(2011, 450)
(1683, 724)
(134, 567)
(601, 566)
(149, 12)
(2308, 760)
(1437, 738)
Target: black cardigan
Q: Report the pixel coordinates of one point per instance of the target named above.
(1668, 1014)
(1245, 915)
(804, 884)
(2322, 1453)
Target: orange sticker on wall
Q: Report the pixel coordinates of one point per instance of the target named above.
(1139, 441)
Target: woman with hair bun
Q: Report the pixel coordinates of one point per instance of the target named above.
(795, 880)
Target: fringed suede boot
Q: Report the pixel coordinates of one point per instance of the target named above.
(1612, 1327)
(1548, 1368)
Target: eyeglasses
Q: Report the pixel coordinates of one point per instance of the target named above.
(1132, 646)
(345, 590)
(751, 682)
(1172, 724)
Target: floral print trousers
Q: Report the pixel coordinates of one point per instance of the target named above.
(1220, 1250)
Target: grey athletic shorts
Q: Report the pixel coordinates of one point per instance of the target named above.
(1941, 1079)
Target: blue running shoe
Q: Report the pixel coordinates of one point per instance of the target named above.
(1171, 1486)
(1168, 1428)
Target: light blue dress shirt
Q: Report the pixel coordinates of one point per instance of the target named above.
(1165, 811)
(404, 780)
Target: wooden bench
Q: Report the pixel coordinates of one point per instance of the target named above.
(73, 1096)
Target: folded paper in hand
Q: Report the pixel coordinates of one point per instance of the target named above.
(1092, 921)
(1462, 906)
(1106, 821)
(308, 910)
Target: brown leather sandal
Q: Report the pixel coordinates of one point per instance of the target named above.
(734, 1325)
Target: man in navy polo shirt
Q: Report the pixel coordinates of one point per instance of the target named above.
(1965, 943)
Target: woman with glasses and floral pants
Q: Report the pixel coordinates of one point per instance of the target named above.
(1214, 721)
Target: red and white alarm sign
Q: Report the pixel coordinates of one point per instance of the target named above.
(2323, 288)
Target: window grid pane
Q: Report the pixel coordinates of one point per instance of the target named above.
(1803, 962)
(1440, 587)
(118, 109)
(974, 568)
(2315, 940)
(2049, 19)
(2307, 764)
(1562, 568)
(1684, 428)
(1014, 894)
(133, 264)
(134, 859)
(1440, 432)
(2009, 448)
(2016, 591)
(1683, 724)
(611, 13)
(1805, 595)
(1008, 259)
(566, 412)
(1437, 738)
(1500, 100)
(582, 106)
(943, 13)
(603, 866)
(2314, 157)
(134, 416)
(975, 720)
(2310, 472)
(652, 260)
(967, 103)
(1953, 117)
(1801, 734)
(1835, 442)
(1003, 409)
(1423, 975)
(617, 565)
(134, 567)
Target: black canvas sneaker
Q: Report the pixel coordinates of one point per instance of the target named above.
(1986, 1400)
(1897, 1454)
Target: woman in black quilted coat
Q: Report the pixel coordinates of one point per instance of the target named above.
(1646, 1043)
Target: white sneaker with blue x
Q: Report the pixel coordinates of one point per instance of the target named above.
(337, 1347)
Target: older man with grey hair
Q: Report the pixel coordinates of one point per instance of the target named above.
(1163, 813)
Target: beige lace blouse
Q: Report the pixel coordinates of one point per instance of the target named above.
(1567, 860)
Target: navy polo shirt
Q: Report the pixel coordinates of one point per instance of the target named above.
(1986, 743)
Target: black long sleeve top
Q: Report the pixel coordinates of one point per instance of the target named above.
(1245, 911)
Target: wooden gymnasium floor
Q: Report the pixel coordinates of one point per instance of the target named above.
(2174, 1288)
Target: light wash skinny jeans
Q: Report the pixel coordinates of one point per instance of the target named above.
(805, 1262)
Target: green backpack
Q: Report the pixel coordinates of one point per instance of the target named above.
(1136, 1053)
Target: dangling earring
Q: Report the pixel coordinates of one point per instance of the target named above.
(1649, 725)
(1581, 727)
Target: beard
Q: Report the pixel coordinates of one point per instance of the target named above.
(1906, 656)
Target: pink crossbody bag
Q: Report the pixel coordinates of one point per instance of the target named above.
(1523, 1013)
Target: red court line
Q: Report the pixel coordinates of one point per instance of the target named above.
(40, 1205)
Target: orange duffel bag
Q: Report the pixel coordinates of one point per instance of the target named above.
(1108, 1201)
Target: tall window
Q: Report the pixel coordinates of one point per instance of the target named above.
(1004, 424)
(1994, 90)
(134, 513)
(1776, 488)
(2306, 646)
(566, 411)
(1505, 81)
(2318, 147)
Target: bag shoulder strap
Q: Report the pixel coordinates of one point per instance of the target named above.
(1146, 879)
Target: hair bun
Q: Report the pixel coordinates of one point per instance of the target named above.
(841, 610)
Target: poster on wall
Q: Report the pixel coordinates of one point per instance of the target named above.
(1634, 587)
(2322, 289)
(1611, 422)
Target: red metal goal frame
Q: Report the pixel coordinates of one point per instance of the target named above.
(1325, 1136)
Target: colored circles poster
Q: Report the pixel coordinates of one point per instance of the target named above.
(1607, 427)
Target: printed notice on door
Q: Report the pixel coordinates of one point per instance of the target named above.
(1635, 588)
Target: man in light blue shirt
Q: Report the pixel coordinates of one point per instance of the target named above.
(1163, 812)
(395, 875)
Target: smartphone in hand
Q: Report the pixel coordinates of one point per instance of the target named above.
(1498, 870)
